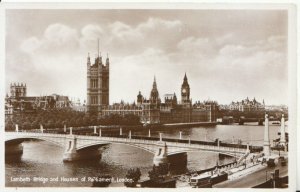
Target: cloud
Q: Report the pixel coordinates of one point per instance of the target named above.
(56, 39)
(219, 68)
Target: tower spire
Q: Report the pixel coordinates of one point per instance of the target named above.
(154, 83)
(98, 48)
(107, 60)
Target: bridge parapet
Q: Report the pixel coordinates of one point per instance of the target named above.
(81, 142)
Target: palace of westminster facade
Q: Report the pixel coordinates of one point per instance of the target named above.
(150, 111)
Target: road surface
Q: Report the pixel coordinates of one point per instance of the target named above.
(253, 179)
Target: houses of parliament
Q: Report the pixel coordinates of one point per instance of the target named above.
(150, 110)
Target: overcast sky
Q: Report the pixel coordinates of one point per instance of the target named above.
(226, 54)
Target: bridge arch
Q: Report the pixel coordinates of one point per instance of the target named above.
(231, 154)
(22, 139)
(101, 143)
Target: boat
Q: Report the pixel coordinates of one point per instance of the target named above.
(207, 179)
(201, 181)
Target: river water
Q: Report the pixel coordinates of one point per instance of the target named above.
(42, 159)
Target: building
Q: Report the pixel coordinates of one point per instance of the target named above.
(76, 105)
(18, 101)
(151, 110)
(247, 105)
(97, 84)
(154, 111)
(18, 90)
(147, 109)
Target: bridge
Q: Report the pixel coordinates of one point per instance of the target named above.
(260, 121)
(78, 147)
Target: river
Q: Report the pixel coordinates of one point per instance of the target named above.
(42, 159)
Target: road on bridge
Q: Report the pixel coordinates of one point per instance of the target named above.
(253, 179)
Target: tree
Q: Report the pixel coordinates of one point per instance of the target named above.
(134, 175)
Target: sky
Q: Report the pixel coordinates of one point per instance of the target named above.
(228, 55)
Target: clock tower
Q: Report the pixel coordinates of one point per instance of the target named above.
(185, 90)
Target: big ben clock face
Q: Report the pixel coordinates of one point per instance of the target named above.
(183, 90)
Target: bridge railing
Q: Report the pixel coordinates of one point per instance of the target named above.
(155, 139)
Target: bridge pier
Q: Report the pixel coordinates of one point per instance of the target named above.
(13, 150)
(160, 156)
(71, 154)
(178, 160)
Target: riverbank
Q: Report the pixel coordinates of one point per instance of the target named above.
(188, 125)
(157, 126)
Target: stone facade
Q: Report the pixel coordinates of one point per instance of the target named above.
(18, 101)
(154, 111)
(247, 105)
(97, 84)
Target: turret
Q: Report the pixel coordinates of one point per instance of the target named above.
(88, 60)
(107, 61)
(139, 98)
(174, 102)
(154, 96)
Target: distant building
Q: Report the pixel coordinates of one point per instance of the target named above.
(146, 109)
(18, 90)
(18, 101)
(77, 106)
(153, 110)
(276, 108)
(247, 105)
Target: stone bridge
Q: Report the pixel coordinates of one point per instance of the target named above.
(79, 147)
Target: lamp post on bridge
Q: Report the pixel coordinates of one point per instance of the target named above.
(71, 133)
(95, 129)
(180, 135)
(121, 131)
(129, 134)
(65, 128)
(160, 136)
(149, 133)
(100, 133)
(41, 128)
(266, 150)
(17, 128)
(282, 133)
